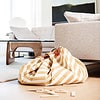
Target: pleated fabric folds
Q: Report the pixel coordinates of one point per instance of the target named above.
(54, 68)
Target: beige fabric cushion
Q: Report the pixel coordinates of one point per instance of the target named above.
(45, 33)
(80, 17)
(81, 38)
(23, 33)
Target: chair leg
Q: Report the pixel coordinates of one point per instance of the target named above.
(9, 59)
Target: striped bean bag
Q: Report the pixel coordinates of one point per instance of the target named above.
(54, 68)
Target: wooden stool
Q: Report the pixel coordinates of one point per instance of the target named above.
(36, 46)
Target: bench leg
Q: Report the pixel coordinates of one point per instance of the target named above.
(36, 46)
(9, 59)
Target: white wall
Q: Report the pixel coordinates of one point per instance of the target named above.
(46, 13)
(98, 6)
(60, 2)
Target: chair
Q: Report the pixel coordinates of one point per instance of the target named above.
(45, 33)
(18, 27)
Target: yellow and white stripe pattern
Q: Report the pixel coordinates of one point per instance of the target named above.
(59, 67)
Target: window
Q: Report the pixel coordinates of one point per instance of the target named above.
(30, 10)
(4, 16)
(35, 12)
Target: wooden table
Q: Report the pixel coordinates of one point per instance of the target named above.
(14, 44)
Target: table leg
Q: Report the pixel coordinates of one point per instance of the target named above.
(9, 59)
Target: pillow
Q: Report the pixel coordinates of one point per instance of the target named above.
(80, 17)
(23, 33)
(46, 32)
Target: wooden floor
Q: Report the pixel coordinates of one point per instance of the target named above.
(90, 90)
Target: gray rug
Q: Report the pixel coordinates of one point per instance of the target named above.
(8, 74)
